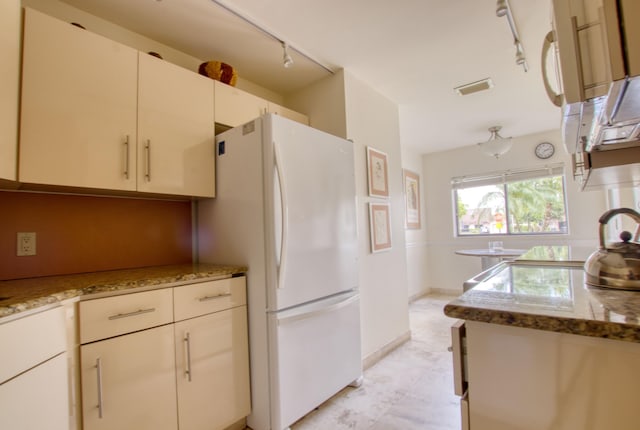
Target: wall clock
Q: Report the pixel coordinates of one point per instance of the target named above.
(545, 150)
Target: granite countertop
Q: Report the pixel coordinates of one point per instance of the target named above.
(552, 298)
(22, 295)
(562, 255)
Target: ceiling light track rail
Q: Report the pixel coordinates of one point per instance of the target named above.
(288, 62)
(504, 9)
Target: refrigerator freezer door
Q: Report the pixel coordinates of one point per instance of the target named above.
(308, 364)
(314, 213)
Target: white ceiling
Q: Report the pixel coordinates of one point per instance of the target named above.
(414, 52)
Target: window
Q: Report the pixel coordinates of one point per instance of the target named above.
(512, 202)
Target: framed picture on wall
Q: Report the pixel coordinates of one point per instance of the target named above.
(411, 183)
(377, 173)
(380, 226)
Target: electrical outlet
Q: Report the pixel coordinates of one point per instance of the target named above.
(26, 244)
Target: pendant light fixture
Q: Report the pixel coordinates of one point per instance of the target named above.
(496, 145)
(287, 61)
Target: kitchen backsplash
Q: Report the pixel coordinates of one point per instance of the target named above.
(76, 234)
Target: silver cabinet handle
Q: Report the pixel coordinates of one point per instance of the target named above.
(219, 296)
(99, 372)
(126, 157)
(131, 314)
(187, 341)
(147, 148)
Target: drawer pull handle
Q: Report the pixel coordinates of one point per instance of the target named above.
(99, 372)
(219, 296)
(131, 314)
(187, 340)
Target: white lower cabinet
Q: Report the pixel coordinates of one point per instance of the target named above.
(34, 377)
(212, 362)
(128, 382)
(37, 399)
(140, 370)
(526, 379)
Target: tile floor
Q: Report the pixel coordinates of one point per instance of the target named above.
(409, 389)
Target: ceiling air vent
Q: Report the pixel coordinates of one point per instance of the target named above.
(474, 87)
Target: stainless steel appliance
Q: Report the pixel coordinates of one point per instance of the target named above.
(598, 51)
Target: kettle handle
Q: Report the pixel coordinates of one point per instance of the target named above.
(604, 219)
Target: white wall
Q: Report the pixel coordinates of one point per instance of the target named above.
(344, 106)
(372, 120)
(416, 239)
(323, 102)
(448, 271)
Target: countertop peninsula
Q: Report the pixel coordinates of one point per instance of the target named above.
(21, 295)
(550, 295)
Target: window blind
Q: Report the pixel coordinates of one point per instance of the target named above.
(506, 176)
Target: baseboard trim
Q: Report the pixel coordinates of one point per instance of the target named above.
(419, 295)
(238, 425)
(445, 291)
(378, 355)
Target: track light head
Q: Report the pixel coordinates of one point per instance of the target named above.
(519, 54)
(501, 8)
(287, 61)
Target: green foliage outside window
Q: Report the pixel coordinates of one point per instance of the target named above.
(529, 206)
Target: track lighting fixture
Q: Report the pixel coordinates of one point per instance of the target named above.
(503, 9)
(287, 61)
(286, 58)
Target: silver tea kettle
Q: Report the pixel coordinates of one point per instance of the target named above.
(616, 266)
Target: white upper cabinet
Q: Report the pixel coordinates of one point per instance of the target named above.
(9, 84)
(235, 107)
(288, 113)
(79, 91)
(175, 130)
(97, 114)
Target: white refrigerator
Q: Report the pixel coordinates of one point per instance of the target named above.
(285, 206)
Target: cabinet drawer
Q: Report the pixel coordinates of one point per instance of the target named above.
(206, 297)
(112, 316)
(31, 340)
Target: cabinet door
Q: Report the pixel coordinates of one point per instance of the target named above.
(9, 84)
(128, 382)
(288, 113)
(212, 362)
(37, 399)
(78, 124)
(235, 107)
(176, 152)
(528, 379)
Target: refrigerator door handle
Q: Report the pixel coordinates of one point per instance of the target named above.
(283, 219)
(313, 313)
